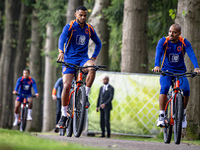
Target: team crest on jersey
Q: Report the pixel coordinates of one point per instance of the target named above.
(86, 31)
(173, 58)
(80, 39)
(179, 48)
(29, 82)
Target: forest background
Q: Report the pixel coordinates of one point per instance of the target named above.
(129, 31)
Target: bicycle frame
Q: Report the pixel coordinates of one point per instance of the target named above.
(175, 90)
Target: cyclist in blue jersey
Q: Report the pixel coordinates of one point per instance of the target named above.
(73, 48)
(23, 86)
(170, 52)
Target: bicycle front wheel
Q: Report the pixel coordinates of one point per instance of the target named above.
(79, 111)
(168, 128)
(69, 129)
(178, 118)
(23, 118)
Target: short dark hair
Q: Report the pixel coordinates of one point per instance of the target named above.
(27, 70)
(81, 8)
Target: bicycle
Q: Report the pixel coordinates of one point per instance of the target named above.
(77, 101)
(174, 107)
(24, 110)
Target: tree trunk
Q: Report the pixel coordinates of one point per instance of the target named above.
(24, 35)
(134, 55)
(180, 17)
(1, 24)
(191, 22)
(35, 61)
(98, 21)
(12, 9)
(49, 106)
(71, 8)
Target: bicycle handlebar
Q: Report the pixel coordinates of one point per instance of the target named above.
(187, 74)
(24, 95)
(81, 67)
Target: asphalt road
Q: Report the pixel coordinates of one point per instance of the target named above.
(119, 144)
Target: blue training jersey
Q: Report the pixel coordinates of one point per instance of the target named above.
(23, 85)
(58, 87)
(78, 44)
(174, 58)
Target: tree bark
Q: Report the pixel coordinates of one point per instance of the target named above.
(24, 35)
(190, 28)
(71, 8)
(35, 62)
(49, 106)
(98, 21)
(12, 9)
(134, 54)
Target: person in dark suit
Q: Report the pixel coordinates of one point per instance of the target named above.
(104, 104)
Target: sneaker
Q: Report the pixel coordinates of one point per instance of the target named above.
(87, 103)
(184, 122)
(29, 118)
(56, 129)
(15, 123)
(62, 122)
(160, 120)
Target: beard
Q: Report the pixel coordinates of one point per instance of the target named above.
(80, 22)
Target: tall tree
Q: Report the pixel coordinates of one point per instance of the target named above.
(71, 8)
(99, 22)
(50, 74)
(188, 17)
(24, 35)
(12, 9)
(35, 62)
(134, 54)
(2, 4)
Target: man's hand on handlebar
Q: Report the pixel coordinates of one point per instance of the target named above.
(156, 69)
(37, 95)
(60, 57)
(197, 70)
(14, 92)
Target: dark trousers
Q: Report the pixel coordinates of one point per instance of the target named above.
(105, 121)
(58, 109)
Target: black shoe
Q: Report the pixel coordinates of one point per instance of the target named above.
(102, 136)
(87, 103)
(56, 129)
(62, 122)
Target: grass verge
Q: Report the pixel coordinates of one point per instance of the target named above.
(16, 140)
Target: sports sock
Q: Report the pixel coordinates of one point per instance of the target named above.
(87, 90)
(64, 110)
(29, 112)
(16, 116)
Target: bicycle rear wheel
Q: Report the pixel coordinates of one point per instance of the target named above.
(69, 129)
(178, 118)
(168, 128)
(79, 111)
(23, 118)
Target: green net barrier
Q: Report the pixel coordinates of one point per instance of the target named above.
(135, 103)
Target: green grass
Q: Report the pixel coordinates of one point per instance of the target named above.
(16, 140)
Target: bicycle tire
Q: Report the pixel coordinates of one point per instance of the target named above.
(168, 129)
(23, 118)
(79, 111)
(69, 129)
(178, 118)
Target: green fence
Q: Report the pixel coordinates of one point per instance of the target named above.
(135, 103)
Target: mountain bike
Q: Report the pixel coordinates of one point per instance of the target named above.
(77, 103)
(174, 107)
(24, 110)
